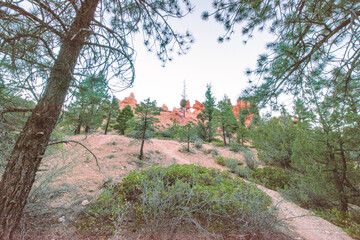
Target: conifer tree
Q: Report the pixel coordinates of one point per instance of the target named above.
(111, 110)
(206, 130)
(123, 119)
(87, 109)
(143, 123)
(48, 47)
(225, 117)
(183, 101)
(187, 133)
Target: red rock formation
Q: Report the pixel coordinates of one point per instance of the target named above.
(131, 101)
(240, 104)
(198, 106)
(165, 108)
(187, 106)
(167, 118)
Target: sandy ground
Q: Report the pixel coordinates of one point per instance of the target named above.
(75, 180)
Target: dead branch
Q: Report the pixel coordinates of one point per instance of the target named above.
(73, 141)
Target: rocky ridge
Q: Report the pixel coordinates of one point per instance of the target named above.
(179, 115)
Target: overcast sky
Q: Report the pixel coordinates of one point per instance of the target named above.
(222, 65)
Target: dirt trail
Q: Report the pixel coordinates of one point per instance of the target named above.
(117, 155)
(303, 224)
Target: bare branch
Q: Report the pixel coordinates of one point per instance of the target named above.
(73, 141)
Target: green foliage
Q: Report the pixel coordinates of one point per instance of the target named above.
(111, 110)
(187, 133)
(205, 129)
(122, 119)
(249, 159)
(88, 108)
(211, 151)
(11, 123)
(156, 198)
(218, 144)
(274, 140)
(272, 178)
(198, 144)
(235, 147)
(230, 163)
(220, 160)
(225, 118)
(142, 125)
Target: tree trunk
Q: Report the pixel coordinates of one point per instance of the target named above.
(87, 129)
(224, 136)
(107, 123)
(188, 144)
(30, 147)
(78, 129)
(141, 156)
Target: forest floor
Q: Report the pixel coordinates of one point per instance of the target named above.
(69, 179)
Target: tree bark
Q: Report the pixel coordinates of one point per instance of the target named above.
(107, 123)
(224, 136)
(30, 147)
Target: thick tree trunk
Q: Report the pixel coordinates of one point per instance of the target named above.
(87, 129)
(30, 147)
(78, 129)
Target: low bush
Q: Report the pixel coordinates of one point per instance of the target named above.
(272, 178)
(249, 159)
(230, 163)
(198, 144)
(163, 134)
(220, 160)
(236, 147)
(213, 152)
(218, 144)
(180, 198)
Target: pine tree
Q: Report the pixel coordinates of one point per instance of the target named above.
(183, 101)
(86, 111)
(187, 133)
(111, 110)
(225, 118)
(47, 48)
(206, 130)
(123, 119)
(144, 121)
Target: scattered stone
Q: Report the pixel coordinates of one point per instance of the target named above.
(62, 219)
(85, 202)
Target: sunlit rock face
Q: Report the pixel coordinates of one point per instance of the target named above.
(131, 101)
(168, 118)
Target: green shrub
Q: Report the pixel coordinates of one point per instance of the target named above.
(198, 144)
(218, 144)
(162, 200)
(232, 163)
(163, 134)
(235, 147)
(213, 152)
(249, 159)
(272, 178)
(220, 160)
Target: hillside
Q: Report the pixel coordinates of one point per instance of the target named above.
(70, 179)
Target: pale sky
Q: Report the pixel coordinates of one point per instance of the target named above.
(222, 65)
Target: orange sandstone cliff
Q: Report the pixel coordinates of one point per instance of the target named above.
(167, 118)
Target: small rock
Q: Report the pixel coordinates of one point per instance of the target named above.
(114, 151)
(61, 219)
(85, 202)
